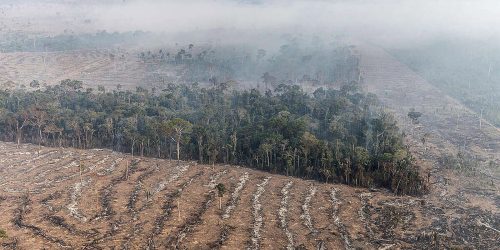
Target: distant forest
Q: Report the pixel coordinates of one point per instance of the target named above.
(331, 135)
(295, 61)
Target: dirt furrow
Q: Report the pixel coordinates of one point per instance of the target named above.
(283, 214)
(106, 194)
(258, 219)
(214, 231)
(336, 203)
(174, 240)
(18, 220)
(241, 218)
(306, 215)
(235, 196)
(167, 209)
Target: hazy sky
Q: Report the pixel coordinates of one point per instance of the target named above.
(383, 21)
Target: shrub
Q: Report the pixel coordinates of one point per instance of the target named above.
(3, 234)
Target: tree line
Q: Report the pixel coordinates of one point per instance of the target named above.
(294, 62)
(331, 135)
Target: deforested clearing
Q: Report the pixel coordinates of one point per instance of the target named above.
(249, 124)
(71, 207)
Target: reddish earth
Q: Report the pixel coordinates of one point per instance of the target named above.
(45, 204)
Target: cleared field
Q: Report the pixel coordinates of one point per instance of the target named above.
(448, 128)
(94, 67)
(137, 203)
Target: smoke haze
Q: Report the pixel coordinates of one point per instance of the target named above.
(386, 22)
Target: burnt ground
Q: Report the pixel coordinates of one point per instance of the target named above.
(45, 204)
(460, 157)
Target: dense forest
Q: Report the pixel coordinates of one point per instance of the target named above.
(331, 135)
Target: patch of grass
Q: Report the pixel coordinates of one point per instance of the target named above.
(3, 234)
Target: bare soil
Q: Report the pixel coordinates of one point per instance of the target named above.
(117, 212)
(98, 67)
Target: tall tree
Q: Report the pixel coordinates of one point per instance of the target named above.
(39, 118)
(176, 128)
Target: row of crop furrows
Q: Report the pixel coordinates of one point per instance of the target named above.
(364, 213)
(114, 215)
(137, 206)
(144, 193)
(22, 211)
(176, 237)
(125, 225)
(55, 216)
(259, 222)
(94, 67)
(283, 215)
(219, 221)
(258, 219)
(83, 175)
(52, 65)
(306, 215)
(138, 188)
(50, 216)
(182, 231)
(107, 193)
(167, 209)
(76, 191)
(306, 219)
(47, 166)
(223, 216)
(336, 203)
(265, 231)
(80, 177)
(39, 171)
